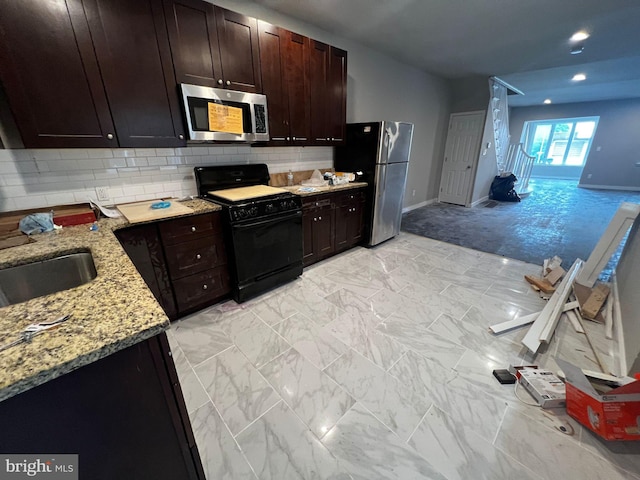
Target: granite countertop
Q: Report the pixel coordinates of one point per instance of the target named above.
(327, 189)
(112, 312)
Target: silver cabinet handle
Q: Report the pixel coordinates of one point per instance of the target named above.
(198, 257)
(228, 82)
(193, 229)
(321, 139)
(110, 136)
(293, 138)
(220, 82)
(319, 218)
(277, 138)
(287, 139)
(300, 138)
(181, 137)
(315, 219)
(205, 286)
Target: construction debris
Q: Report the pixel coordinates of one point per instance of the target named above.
(540, 283)
(542, 329)
(595, 301)
(555, 275)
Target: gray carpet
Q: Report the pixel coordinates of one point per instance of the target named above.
(556, 219)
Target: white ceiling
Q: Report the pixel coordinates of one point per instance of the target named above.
(524, 42)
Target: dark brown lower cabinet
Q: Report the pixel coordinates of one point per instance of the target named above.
(318, 229)
(349, 219)
(331, 223)
(183, 261)
(124, 415)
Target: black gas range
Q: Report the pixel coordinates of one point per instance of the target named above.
(263, 226)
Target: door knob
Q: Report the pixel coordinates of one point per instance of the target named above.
(228, 82)
(220, 81)
(110, 136)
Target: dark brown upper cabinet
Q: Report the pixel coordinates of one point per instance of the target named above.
(328, 93)
(319, 95)
(132, 47)
(273, 83)
(51, 77)
(337, 95)
(285, 80)
(212, 46)
(95, 73)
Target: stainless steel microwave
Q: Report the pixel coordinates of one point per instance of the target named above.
(216, 114)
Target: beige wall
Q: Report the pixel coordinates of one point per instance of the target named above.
(617, 162)
(381, 88)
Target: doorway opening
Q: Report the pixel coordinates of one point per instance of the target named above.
(560, 146)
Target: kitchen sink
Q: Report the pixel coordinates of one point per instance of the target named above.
(31, 280)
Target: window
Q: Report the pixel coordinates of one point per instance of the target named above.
(564, 141)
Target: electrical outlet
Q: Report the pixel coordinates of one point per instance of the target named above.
(589, 176)
(102, 193)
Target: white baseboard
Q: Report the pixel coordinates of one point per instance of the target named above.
(608, 187)
(418, 205)
(483, 199)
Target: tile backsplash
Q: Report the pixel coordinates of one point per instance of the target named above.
(43, 178)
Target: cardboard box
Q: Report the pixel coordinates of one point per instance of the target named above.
(614, 415)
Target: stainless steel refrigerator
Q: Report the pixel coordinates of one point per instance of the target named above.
(380, 150)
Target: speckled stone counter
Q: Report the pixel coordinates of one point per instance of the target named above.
(328, 189)
(112, 312)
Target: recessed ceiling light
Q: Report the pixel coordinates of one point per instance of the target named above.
(576, 49)
(578, 77)
(547, 101)
(579, 36)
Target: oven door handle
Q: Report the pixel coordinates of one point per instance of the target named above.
(297, 214)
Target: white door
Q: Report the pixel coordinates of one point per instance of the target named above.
(460, 156)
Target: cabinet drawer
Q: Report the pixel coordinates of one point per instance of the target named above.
(195, 256)
(354, 196)
(316, 202)
(189, 228)
(203, 287)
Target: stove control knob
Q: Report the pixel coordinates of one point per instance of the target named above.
(242, 213)
(253, 211)
(270, 208)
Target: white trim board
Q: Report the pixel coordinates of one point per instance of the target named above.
(479, 201)
(419, 205)
(608, 187)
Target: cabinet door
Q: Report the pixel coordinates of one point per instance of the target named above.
(308, 255)
(297, 86)
(355, 226)
(318, 92)
(132, 47)
(142, 245)
(337, 96)
(342, 219)
(239, 53)
(194, 42)
(273, 86)
(323, 232)
(50, 76)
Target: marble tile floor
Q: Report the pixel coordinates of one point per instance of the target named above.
(376, 364)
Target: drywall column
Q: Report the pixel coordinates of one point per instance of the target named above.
(628, 279)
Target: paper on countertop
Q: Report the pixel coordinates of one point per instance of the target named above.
(108, 212)
(307, 189)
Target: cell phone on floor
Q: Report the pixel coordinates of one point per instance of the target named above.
(504, 376)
